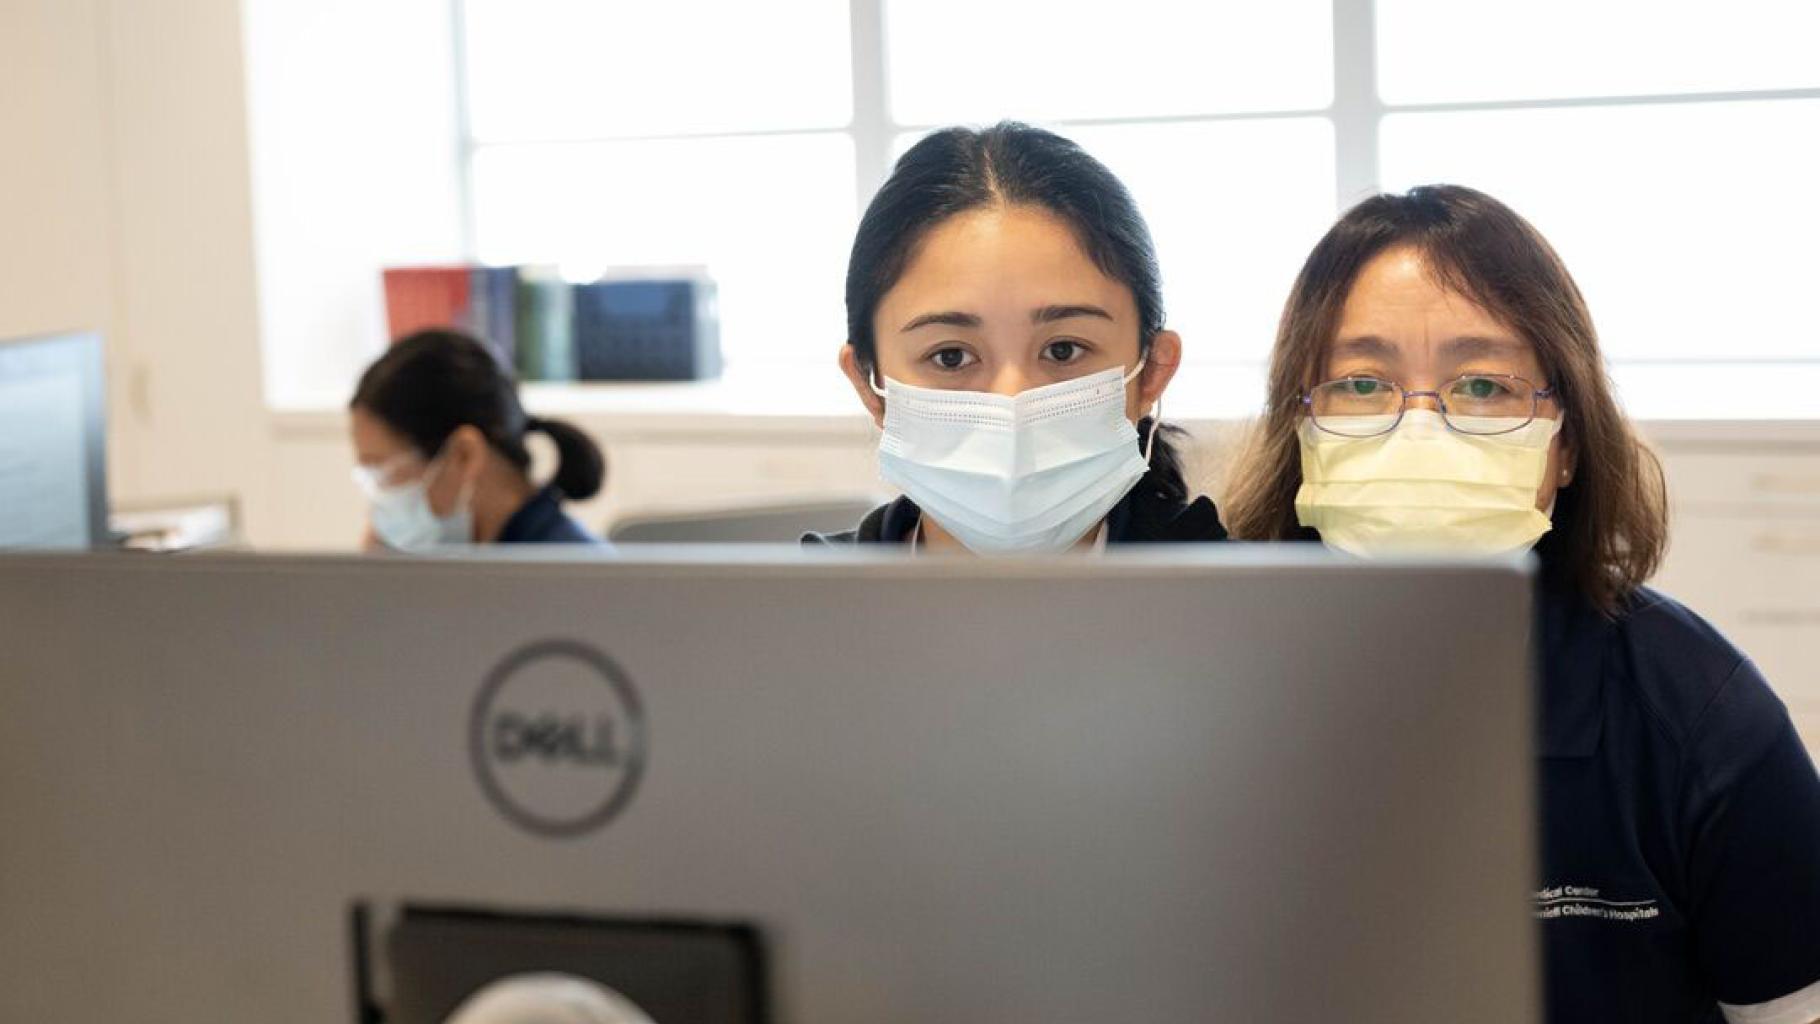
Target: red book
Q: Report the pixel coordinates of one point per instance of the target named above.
(421, 297)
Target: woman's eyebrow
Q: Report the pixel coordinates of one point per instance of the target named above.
(950, 318)
(1365, 345)
(1470, 345)
(1050, 314)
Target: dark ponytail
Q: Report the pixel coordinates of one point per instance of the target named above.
(580, 466)
(956, 170)
(429, 384)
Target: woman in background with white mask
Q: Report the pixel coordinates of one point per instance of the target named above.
(439, 437)
(1005, 331)
(1437, 386)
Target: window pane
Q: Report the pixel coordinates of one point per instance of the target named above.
(962, 60)
(1689, 227)
(1437, 51)
(1234, 208)
(578, 69)
(771, 217)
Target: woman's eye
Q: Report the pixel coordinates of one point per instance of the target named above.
(1482, 388)
(1363, 388)
(952, 358)
(1064, 351)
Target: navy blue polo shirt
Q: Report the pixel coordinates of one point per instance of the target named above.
(1680, 821)
(541, 520)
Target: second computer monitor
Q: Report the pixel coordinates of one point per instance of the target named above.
(53, 442)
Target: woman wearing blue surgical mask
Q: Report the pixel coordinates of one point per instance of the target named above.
(1005, 331)
(1437, 386)
(439, 437)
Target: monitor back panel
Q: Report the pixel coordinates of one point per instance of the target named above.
(1206, 787)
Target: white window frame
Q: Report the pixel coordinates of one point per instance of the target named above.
(1356, 111)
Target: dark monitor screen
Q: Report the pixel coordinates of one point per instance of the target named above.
(433, 959)
(53, 442)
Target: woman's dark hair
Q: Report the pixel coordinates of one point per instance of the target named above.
(955, 170)
(1611, 524)
(432, 382)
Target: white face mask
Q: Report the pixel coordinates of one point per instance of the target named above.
(1425, 488)
(401, 514)
(1009, 474)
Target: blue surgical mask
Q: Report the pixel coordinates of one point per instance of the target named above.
(402, 517)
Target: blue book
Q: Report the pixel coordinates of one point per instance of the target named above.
(493, 311)
(660, 329)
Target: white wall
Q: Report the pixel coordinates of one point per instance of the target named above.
(57, 259)
(188, 315)
(55, 247)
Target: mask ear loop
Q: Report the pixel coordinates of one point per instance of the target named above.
(464, 498)
(464, 503)
(872, 382)
(1156, 419)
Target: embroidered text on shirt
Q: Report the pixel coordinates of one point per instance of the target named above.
(1584, 901)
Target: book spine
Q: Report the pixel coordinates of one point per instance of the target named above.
(491, 311)
(546, 338)
(420, 298)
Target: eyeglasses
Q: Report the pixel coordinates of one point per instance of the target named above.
(1477, 403)
(373, 479)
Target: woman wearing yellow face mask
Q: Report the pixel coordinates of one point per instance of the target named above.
(1437, 386)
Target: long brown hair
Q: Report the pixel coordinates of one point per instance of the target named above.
(1611, 524)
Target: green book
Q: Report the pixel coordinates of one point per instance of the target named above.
(546, 334)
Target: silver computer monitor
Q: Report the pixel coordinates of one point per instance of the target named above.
(53, 442)
(1251, 784)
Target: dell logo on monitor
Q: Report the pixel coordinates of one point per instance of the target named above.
(557, 737)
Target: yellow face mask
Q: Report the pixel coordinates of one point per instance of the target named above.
(1425, 488)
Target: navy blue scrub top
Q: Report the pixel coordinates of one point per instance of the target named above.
(1681, 821)
(541, 520)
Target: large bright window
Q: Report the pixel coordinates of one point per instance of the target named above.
(1062, 60)
(1669, 149)
(1690, 227)
(689, 132)
(579, 70)
(1215, 115)
(1443, 51)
